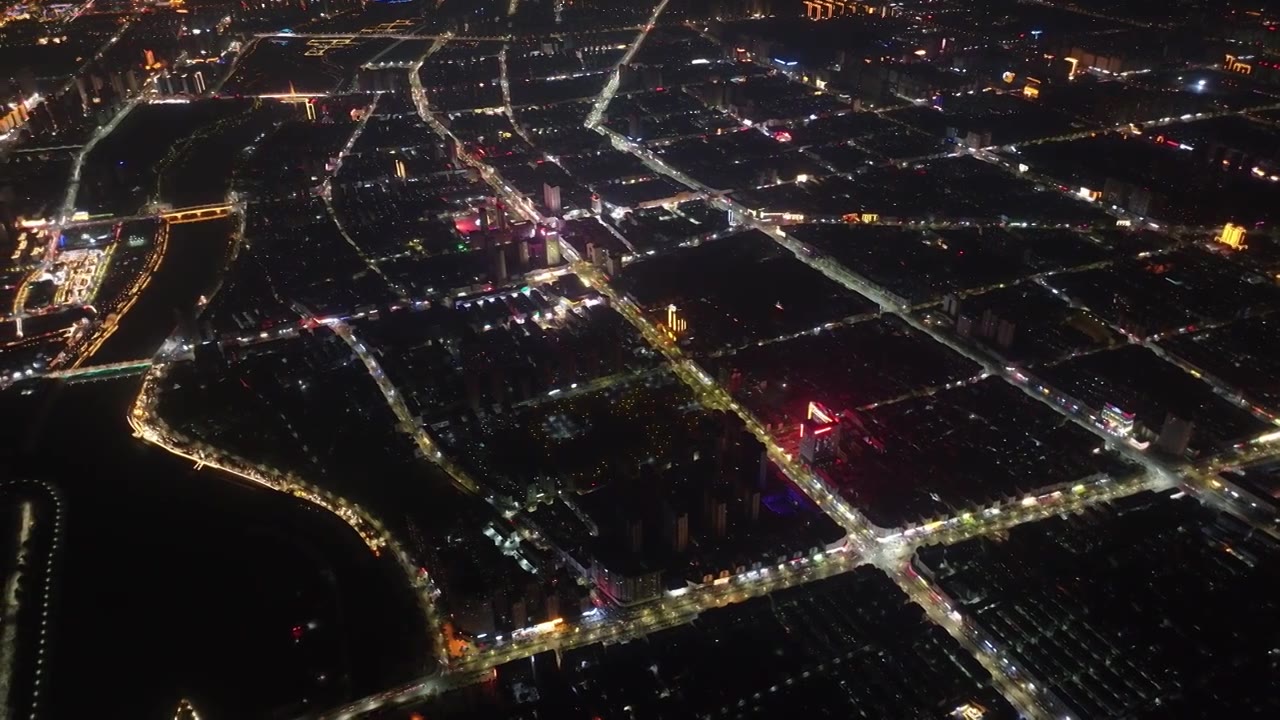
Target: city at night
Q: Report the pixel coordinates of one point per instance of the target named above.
(639, 359)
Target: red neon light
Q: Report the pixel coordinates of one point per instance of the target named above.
(816, 410)
(801, 429)
(821, 431)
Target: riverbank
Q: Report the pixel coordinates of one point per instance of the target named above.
(184, 583)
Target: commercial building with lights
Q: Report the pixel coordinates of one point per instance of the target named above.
(819, 435)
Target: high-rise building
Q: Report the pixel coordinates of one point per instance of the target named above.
(519, 613)
(633, 530)
(951, 304)
(498, 263)
(524, 253)
(551, 242)
(81, 87)
(551, 198)
(819, 435)
(989, 322)
(627, 584)
(675, 323)
(717, 514)
(500, 212)
(749, 504)
(677, 528)
(1175, 436)
(1004, 334)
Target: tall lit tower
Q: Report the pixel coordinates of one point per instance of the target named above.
(1232, 236)
(675, 324)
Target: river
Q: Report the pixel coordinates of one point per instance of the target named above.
(182, 583)
(194, 260)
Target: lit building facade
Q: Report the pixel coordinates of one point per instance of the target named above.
(1116, 421)
(1232, 236)
(819, 435)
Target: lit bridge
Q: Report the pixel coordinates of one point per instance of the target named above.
(101, 372)
(174, 216)
(196, 213)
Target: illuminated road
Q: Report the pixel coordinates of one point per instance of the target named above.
(505, 84)
(888, 553)
(1013, 682)
(888, 550)
(426, 445)
(411, 36)
(1045, 503)
(891, 556)
(73, 187)
(326, 193)
(677, 608)
(125, 24)
(326, 187)
(1157, 475)
(1207, 482)
(407, 423)
(888, 304)
(513, 199)
(245, 51)
(611, 88)
(590, 386)
(382, 35)
(862, 532)
(709, 393)
(1124, 128)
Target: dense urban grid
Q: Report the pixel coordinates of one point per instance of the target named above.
(681, 358)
